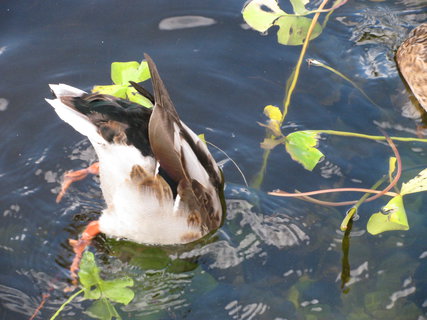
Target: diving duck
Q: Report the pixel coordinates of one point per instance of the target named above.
(411, 58)
(160, 183)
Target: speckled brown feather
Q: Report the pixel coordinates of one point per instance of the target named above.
(196, 200)
(411, 58)
(155, 183)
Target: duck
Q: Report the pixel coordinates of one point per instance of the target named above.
(160, 183)
(411, 58)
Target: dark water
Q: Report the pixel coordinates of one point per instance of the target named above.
(273, 258)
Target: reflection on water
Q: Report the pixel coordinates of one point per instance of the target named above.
(175, 23)
(273, 258)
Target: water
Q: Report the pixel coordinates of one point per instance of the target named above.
(273, 258)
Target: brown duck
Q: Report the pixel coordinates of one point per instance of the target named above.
(411, 58)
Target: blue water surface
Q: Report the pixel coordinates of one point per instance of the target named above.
(273, 258)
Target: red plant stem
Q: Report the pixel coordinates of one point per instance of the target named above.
(281, 193)
(305, 195)
(45, 296)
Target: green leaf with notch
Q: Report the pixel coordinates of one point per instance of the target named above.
(299, 6)
(261, 14)
(293, 30)
(301, 145)
(392, 217)
(123, 72)
(417, 184)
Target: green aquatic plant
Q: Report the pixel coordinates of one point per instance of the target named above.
(103, 292)
(121, 74)
(302, 146)
(261, 15)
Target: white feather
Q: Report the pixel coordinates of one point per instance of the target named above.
(74, 118)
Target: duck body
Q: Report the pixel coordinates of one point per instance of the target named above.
(159, 181)
(411, 58)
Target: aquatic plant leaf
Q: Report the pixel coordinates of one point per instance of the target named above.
(117, 290)
(260, 14)
(299, 6)
(270, 143)
(293, 30)
(202, 137)
(102, 309)
(417, 184)
(273, 112)
(123, 72)
(136, 97)
(118, 91)
(96, 288)
(391, 217)
(301, 145)
(275, 117)
(391, 167)
(89, 276)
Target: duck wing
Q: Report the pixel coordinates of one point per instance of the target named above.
(186, 159)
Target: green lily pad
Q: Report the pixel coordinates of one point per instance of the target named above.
(391, 217)
(293, 30)
(301, 145)
(123, 72)
(261, 14)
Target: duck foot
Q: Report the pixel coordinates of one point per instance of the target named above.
(79, 246)
(73, 176)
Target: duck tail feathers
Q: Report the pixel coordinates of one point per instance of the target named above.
(161, 95)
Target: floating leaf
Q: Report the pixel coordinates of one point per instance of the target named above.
(301, 145)
(118, 91)
(299, 6)
(123, 72)
(293, 30)
(261, 14)
(273, 112)
(391, 217)
(417, 184)
(136, 97)
(275, 117)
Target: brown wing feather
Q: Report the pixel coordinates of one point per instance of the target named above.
(202, 204)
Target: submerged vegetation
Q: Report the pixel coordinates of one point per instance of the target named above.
(103, 292)
(302, 146)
